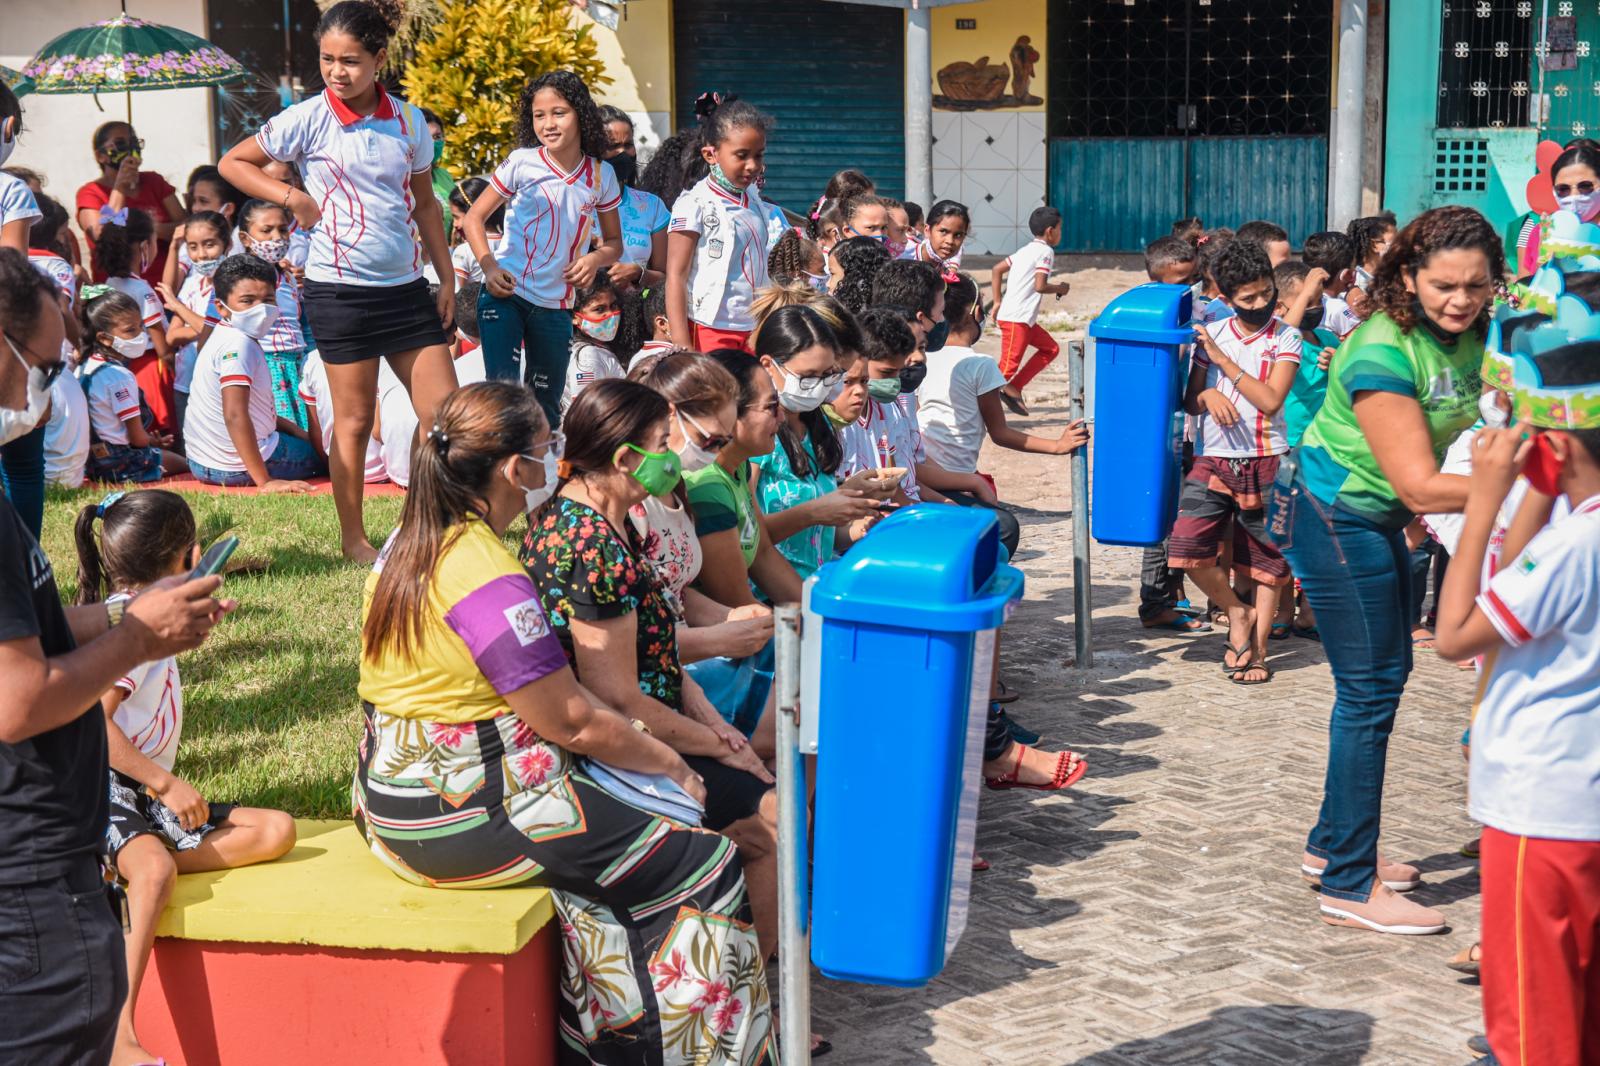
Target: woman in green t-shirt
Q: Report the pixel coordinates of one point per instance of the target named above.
(1401, 388)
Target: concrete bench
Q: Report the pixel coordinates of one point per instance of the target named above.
(326, 957)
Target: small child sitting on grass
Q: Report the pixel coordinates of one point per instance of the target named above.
(123, 444)
(160, 824)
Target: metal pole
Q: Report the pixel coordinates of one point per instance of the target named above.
(794, 928)
(1082, 583)
(1349, 114)
(919, 104)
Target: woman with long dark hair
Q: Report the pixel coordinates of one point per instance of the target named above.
(469, 770)
(1404, 385)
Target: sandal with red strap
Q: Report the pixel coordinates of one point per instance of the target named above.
(1066, 774)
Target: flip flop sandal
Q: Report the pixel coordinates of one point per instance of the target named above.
(1185, 607)
(1186, 625)
(1280, 631)
(979, 864)
(1243, 649)
(1307, 632)
(1472, 848)
(1005, 695)
(1062, 778)
(1245, 669)
(1463, 962)
(1014, 404)
(822, 1047)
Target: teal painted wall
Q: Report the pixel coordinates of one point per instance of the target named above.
(1414, 143)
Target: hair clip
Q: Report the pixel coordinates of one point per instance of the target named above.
(94, 292)
(440, 438)
(1203, 238)
(111, 498)
(109, 217)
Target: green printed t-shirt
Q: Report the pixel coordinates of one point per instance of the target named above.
(721, 501)
(1336, 463)
(1310, 385)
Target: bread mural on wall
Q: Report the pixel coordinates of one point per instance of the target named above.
(982, 86)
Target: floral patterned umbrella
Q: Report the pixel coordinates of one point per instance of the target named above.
(128, 55)
(15, 81)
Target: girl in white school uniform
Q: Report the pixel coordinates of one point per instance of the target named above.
(557, 184)
(717, 242)
(367, 160)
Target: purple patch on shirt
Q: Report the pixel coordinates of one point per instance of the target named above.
(506, 632)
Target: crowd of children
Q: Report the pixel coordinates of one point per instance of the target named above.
(314, 309)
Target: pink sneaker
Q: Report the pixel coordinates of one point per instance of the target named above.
(1396, 876)
(1384, 911)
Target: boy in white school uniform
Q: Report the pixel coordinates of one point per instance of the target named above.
(1028, 269)
(1535, 764)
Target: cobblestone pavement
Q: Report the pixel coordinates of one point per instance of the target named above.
(1154, 913)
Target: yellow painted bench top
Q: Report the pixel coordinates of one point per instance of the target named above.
(331, 891)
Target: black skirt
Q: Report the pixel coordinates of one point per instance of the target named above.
(352, 323)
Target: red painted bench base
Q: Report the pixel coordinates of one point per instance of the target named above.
(207, 1003)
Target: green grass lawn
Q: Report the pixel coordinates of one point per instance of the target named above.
(270, 708)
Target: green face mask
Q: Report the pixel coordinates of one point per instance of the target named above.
(835, 419)
(438, 151)
(884, 390)
(658, 472)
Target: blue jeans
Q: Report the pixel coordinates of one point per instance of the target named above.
(22, 473)
(292, 460)
(1357, 577)
(542, 334)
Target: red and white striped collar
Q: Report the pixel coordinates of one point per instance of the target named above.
(347, 117)
(44, 253)
(743, 199)
(1588, 506)
(584, 168)
(1233, 324)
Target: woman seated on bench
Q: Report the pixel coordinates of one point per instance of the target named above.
(468, 778)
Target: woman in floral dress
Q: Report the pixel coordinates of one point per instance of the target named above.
(615, 618)
(467, 775)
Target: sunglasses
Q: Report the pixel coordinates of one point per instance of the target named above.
(713, 442)
(1583, 188)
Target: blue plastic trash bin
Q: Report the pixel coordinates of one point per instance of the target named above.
(1140, 367)
(908, 629)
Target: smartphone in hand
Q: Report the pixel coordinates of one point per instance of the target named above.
(215, 557)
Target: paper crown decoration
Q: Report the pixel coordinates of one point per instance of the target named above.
(1517, 345)
(1568, 237)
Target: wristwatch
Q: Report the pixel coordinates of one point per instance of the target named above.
(115, 609)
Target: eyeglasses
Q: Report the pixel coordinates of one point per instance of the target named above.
(771, 407)
(51, 372)
(826, 381)
(120, 145)
(555, 446)
(1583, 188)
(713, 442)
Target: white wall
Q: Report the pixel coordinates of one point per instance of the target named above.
(175, 123)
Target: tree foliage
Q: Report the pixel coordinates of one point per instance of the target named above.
(470, 66)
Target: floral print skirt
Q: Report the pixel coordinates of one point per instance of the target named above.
(659, 957)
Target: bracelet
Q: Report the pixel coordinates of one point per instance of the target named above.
(287, 192)
(1238, 378)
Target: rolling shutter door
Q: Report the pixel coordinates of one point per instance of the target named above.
(832, 75)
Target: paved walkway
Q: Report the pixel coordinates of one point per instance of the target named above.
(1154, 913)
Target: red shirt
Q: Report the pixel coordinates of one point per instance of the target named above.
(150, 197)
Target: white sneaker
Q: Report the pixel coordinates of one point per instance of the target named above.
(1384, 911)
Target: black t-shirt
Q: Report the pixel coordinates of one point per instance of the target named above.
(53, 786)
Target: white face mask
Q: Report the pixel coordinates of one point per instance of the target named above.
(1489, 408)
(797, 397)
(271, 250)
(8, 144)
(131, 347)
(533, 499)
(819, 281)
(254, 322)
(693, 456)
(1584, 206)
(15, 423)
(206, 267)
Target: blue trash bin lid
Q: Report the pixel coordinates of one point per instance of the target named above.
(933, 567)
(1153, 312)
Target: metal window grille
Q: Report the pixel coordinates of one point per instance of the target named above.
(1169, 68)
(1485, 60)
(1461, 165)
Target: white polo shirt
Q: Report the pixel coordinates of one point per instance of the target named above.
(66, 435)
(151, 313)
(466, 265)
(358, 169)
(55, 268)
(588, 364)
(151, 712)
(548, 219)
(396, 426)
(16, 201)
(1021, 302)
(952, 426)
(1536, 738)
(195, 294)
(228, 360)
(1255, 435)
(113, 396)
(730, 258)
(1337, 316)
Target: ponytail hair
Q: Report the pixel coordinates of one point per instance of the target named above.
(474, 431)
(848, 183)
(785, 334)
(143, 536)
(786, 263)
(118, 243)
